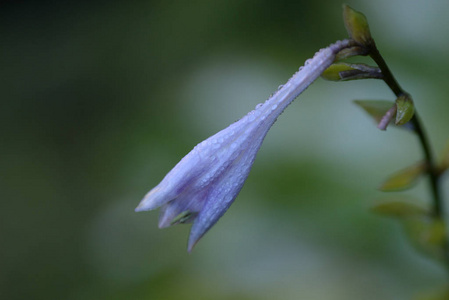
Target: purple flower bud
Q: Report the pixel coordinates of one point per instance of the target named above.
(202, 186)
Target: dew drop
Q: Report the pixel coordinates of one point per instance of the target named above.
(274, 107)
(259, 105)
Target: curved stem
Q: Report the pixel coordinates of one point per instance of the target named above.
(437, 207)
(432, 171)
(419, 130)
(388, 76)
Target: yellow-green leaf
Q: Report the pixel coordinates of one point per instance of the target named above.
(427, 235)
(440, 294)
(404, 179)
(375, 108)
(398, 209)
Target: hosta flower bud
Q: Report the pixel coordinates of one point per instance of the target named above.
(345, 72)
(357, 26)
(202, 186)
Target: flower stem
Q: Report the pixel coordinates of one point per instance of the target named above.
(432, 170)
(419, 130)
(434, 175)
(388, 76)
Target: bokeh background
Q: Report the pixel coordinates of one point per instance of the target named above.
(100, 99)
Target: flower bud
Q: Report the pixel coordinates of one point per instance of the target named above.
(345, 71)
(350, 52)
(333, 72)
(405, 109)
(357, 26)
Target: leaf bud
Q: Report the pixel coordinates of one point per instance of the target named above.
(405, 109)
(357, 26)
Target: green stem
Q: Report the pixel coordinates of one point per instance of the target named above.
(437, 209)
(419, 130)
(388, 76)
(432, 170)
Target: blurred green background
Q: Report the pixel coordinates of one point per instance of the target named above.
(100, 99)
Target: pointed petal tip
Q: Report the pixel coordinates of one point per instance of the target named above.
(194, 238)
(143, 205)
(152, 200)
(164, 223)
(162, 226)
(190, 246)
(165, 216)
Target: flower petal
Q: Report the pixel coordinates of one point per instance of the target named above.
(225, 190)
(192, 203)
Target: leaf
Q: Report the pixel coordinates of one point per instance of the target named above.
(425, 232)
(398, 209)
(427, 235)
(440, 294)
(404, 179)
(375, 108)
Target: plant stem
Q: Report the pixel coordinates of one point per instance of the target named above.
(434, 175)
(432, 170)
(388, 76)
(419, 130)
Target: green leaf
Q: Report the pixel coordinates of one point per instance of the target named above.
(357, 26)
(425, 232)
(404, 179)
(375, 108)
(427, 235)
(440, 294)
(405, 109)
(398, 209)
